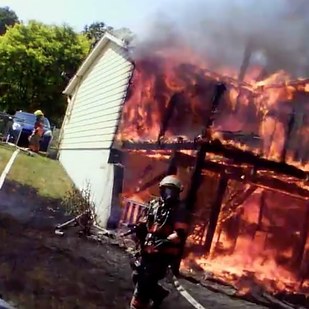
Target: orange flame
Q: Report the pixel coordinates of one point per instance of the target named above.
(265, 256)
(260, 107)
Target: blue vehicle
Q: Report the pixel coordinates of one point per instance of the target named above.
(23, 126)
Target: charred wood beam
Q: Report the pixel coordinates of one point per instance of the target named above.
(242, 138)
(168, 114)
(280, 186)
(236, 83)
(232, 82)
(195, 179)
(220, 90)
(303, 240)
(243, 197)
(262, 209)
(115, 211)
(246, 61)
(172, 166)
(215, 211)
(129, 145)
(259, 225)
(244, 174)
(237, 201)
(233, 204)
(227, 151)
(239, 173)
(293, 83)
(190, 200)
(299, 141)
(276, 303)
(237, 197)
(146, 171)
(287, 138)
(115, 156)
(247, 157)
(267, 182)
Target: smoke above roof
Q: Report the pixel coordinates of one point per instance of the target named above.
(221, 30)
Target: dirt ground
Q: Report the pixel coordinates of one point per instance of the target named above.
(41, 270)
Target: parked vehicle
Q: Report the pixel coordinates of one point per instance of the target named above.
(22, 127)
(5, 124)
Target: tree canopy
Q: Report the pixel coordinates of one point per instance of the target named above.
(33, 57)
(37, 60)
(7, 18)
(95, 31)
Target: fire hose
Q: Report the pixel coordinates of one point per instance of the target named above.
(175, 280)
(83, 220)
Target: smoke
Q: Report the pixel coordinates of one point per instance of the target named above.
(221, 30)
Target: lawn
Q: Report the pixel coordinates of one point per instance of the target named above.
(46, 176)
(5, 154)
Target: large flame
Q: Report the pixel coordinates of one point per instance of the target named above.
(261, 245)
(263, 107)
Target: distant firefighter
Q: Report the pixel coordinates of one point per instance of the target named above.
(35, 137)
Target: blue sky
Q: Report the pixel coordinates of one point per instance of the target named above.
(77, 13)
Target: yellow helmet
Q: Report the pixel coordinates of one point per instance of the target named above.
(38, 113)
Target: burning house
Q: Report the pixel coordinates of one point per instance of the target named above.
(238, 139)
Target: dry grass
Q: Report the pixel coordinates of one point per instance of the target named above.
(44, 175)
(77, 202)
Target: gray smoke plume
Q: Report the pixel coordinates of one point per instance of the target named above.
(274, 30)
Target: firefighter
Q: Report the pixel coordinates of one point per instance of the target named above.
(161, 232)
(34, 139)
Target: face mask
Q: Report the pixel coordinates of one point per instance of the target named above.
(169, 194)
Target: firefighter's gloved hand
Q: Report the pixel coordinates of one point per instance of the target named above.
(161, 242)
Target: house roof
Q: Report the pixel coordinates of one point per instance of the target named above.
(90, 59)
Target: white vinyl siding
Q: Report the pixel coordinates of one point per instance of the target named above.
(88, 170)
(97, 102)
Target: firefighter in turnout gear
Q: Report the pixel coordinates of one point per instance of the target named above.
(161, 233)
(35, 137)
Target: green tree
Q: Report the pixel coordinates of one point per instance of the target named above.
(95, 31)
(7, 18)
(32, 60)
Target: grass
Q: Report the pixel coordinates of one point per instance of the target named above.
(5, 154)
(46, 176)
